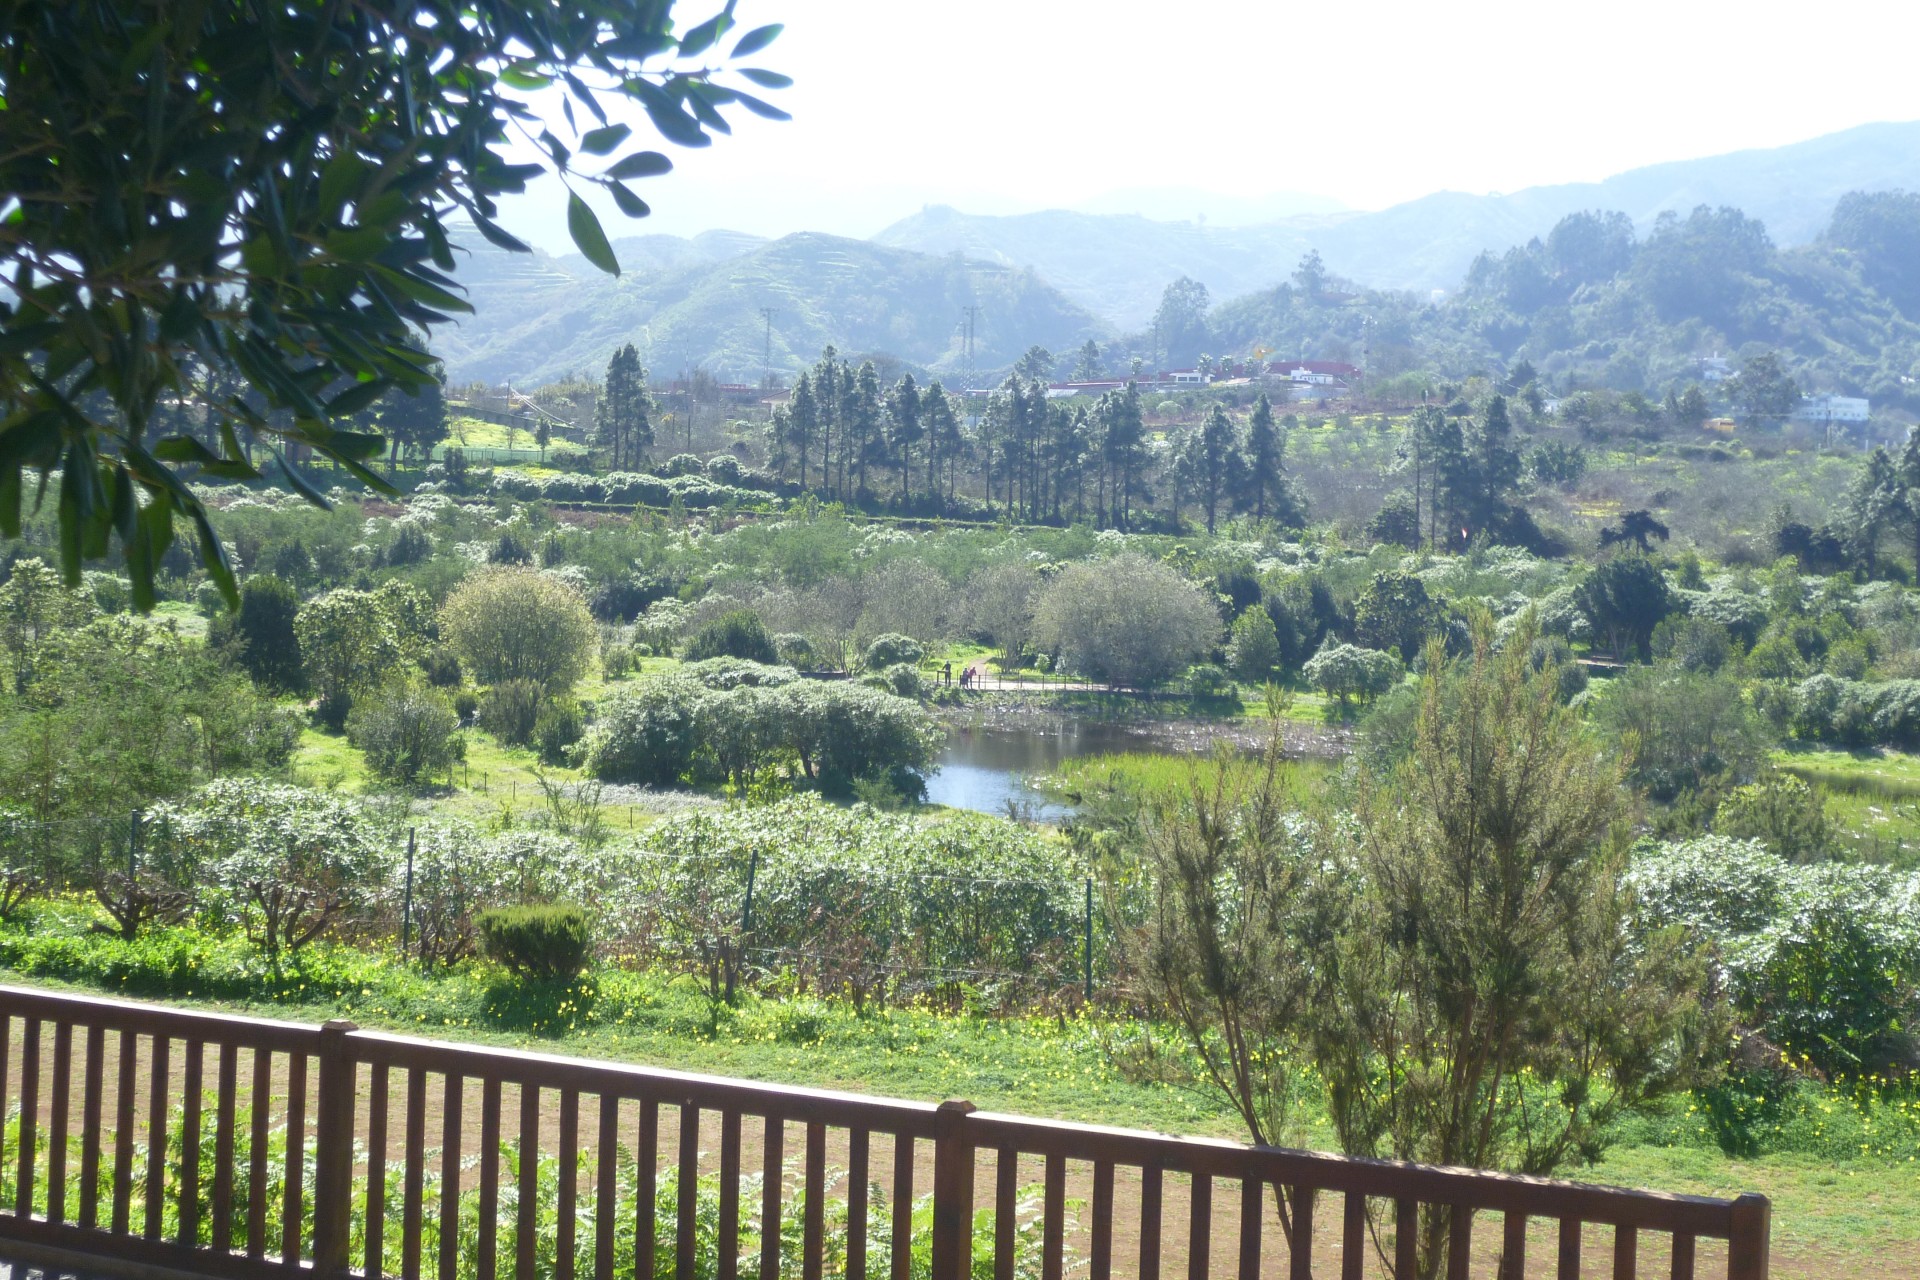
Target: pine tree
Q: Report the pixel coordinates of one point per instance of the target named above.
(1266, 454)
(623, 421)
(904, 429)
(1086, 365)
(1216, 448)
(944, 440)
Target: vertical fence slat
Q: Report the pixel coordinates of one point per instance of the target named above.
(1100, 1265)
(727, 1265)
(451, 1130)
(189, 1142)
(606, 1186)
(412, 1208)
(1682, 1257)
(376, 1232)
(527, 1227)
(569, 1189)
(1199, 1229)
(261, 1112)
(1300, 1255)
(1626, 1252)
(6, 1046)
(1150, 1223)
(296, 1156)
(1406, 1237)
(29, 1115)
(857, 1157)
(157, 1089)
(772, 1157)
(687, 1183)
(1459, 1241)
(646, 1164)
(90, 1103)
(57, 1123)
(813, 1238)
(1252, 1191)
(901, 1263)
(1569, 1254)
(1006, 1188)
(226, 1109)
(123, 1090)
(1513, 1247)
(1353, 1237)
(1054, 1223)
(488, 1261)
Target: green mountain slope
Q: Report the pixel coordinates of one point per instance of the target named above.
(1592, 304)
(1117, 266)
(539, 318)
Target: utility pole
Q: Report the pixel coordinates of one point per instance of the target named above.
(768, 312)
(966, 364)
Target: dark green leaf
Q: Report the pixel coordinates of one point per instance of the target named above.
(584, 226)
(767, 79)
(630, 204)
(702, 37)
(183, 449)
(496, 235)
(600, 142)
(756, 40)
(641, 164)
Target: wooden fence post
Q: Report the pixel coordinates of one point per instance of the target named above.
(333, 1152)
(952, 1193)
(1750, 1238)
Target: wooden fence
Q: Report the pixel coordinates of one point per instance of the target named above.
(242, 1148)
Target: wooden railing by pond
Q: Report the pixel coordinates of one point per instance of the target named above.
(242, 1148)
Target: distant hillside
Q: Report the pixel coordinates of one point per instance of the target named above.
(1592, 304)
(699, 302)
(1116, 266)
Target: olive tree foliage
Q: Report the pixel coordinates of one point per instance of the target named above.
(199, 191)
(35, 606)
(290, 863)
(510, 622)
(1125, 620)
(1000, 607)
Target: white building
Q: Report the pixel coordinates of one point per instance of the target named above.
(1829, 410)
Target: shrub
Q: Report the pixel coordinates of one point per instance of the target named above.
(407, 729)
(545, 943)
(520, 624)
(466, 705)
(892, 650)
(260, 637)
(561, 723)
(1344, 672)
(1206, 680)
(903, 679)
(442, 666)
(1254, 650)
(645, 732)
(738, 634)
(510, 710)
(1782, 812)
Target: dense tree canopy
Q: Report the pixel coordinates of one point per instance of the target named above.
(267, 191)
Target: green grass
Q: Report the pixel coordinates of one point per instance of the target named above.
(1127, 779)
(1873, 797)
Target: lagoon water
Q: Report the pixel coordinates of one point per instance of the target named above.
(986, 768)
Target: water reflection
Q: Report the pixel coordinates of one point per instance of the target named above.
(987, 768)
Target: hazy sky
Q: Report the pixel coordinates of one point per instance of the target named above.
(999, 107)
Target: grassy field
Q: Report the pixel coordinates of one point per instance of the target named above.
(1873, 797)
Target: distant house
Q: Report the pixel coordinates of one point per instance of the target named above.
(1828, 410)
(1715, 368)
(1315, 373)
(1185, 377)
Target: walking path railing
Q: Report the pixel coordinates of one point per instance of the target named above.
(242, 1148)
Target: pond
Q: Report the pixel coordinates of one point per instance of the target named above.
(987, 767)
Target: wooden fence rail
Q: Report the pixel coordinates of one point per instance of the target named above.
(244, 1148)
